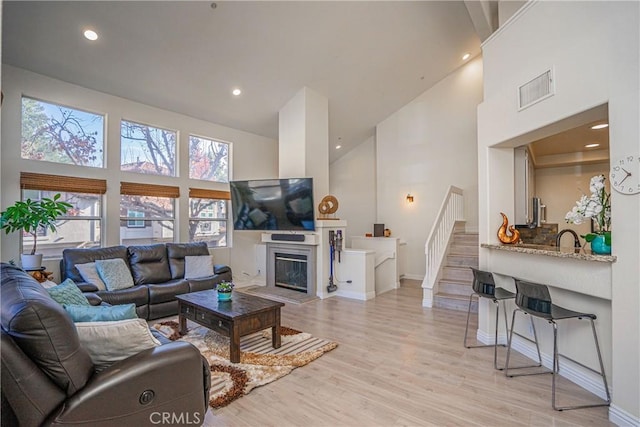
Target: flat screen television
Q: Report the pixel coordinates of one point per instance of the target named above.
(273, 204)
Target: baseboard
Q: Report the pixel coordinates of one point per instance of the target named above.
(575, 373)
(485, 338)
(355, 295)
(621, 417)
(413, 277)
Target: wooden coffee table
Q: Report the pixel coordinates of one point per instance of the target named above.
(242, 315)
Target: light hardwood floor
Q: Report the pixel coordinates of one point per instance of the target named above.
(399, 364)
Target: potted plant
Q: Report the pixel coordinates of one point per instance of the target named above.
(29, 216)
(224, 291)
(596, 207)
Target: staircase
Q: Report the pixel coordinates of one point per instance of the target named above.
(454, 286)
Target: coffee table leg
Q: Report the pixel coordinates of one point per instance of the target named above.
(275, 332)
(182, 324)
(234, 343)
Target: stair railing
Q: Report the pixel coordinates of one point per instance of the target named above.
(451, 210)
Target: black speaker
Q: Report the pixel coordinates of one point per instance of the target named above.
(378, 230)
(288, 237)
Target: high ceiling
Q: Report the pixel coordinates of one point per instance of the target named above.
(368, 58)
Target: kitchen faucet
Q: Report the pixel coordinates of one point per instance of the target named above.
(576, 241)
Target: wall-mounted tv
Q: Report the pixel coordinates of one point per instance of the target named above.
(273, 204)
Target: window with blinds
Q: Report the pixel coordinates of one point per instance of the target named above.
(81, 227)
(147, 213)
(208, 216)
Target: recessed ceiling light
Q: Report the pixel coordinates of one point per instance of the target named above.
(600, 126)
(90, 35)
(236, 92)
(466, 56)
(338, 147)
(592, 145)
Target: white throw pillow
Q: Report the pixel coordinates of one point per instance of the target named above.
(48, 284)
(114, 273)
(90, 274)
(109, 342)
(198, 266)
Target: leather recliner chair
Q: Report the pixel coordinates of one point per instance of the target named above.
(48, 378)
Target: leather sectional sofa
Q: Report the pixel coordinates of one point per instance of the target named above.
(158, 274)
(48, 377)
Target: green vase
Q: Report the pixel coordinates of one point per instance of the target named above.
(599, 246)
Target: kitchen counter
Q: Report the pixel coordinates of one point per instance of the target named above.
(552, 251)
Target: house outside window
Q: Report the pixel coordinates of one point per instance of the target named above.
(208, 159)
(208, 221)
(135, 223)
(153, 207)
(60, 134)
(147, 149)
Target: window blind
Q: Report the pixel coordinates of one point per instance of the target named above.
(201, 193)
(139, 189)
(45, 182)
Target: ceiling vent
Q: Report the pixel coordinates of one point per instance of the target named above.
(535, 90)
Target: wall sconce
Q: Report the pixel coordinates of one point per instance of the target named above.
(409, 198)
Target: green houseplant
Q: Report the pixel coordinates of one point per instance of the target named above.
(29, 216)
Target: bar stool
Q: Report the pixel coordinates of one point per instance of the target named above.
(484, 286)
(534, 299)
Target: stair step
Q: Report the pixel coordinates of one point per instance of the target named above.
(463, 249)
(411, 283)
(457, 273)
(455, 287)
(454, 260)
(454, 302)
(466, 238)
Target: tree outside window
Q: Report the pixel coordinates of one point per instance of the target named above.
(54, 133)
(146, 149)
(208, 159)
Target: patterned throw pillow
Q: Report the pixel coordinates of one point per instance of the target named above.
(114, 273)
(82, 313)
(90, 274)
(198, 266)
(68, 293)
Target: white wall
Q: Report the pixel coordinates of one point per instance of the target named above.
(423, 148)
(253, 156)
(353, 182)
(594, 49)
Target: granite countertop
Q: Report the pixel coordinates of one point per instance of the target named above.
(553, 251)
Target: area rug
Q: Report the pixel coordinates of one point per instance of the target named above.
(260, 363)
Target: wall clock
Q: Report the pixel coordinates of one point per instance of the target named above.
(625, 174)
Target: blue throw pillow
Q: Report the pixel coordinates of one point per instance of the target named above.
(68, 293)
(82, 313)
(114, 273)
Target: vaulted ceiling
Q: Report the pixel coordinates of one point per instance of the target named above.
(368, 58)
